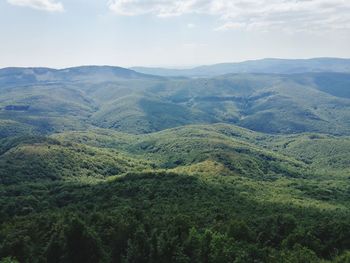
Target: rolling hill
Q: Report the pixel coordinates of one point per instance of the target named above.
(105, 164)
(253, 191)
(124, 100)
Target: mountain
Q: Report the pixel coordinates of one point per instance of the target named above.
(268, 103)
(94, 74)
(269, 66)
(127, 101)
(48, 100)
(105, 164)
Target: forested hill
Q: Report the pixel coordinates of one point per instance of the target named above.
(46, 100)
(215, 193)
(105, 164)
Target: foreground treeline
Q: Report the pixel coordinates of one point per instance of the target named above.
(163, 218)
(192, 194)
(127, 239)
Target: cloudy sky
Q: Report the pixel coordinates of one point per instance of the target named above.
(62, 33)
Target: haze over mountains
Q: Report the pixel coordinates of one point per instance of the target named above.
(125, 100)
(244, 162)
(269, 65)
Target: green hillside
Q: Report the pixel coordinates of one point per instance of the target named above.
(267, 103)
(246, 196)
(141, 114)
(49, 159)
(107, 165)
(107, 97)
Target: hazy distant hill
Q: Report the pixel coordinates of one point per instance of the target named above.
(28, 76)
(270, 65)
(48, 100)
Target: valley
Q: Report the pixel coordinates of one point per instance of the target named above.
(106, 164)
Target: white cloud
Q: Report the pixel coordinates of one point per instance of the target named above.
(47, 5)
(289, 15)
(162, 8)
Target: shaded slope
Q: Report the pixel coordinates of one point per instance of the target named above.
(144, 114)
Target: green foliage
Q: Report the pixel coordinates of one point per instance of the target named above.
(299, 255)
(73, 192)
(8, 260)
(80, 98)
(345, 258)
(192, 194)
(82, 244)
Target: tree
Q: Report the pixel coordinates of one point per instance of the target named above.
(299, 254)
(56, 248)
(240, 231)
(344, 258)
(82, 244)
(138, 250)
(8, 260)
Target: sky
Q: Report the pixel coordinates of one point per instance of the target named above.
(169, 33)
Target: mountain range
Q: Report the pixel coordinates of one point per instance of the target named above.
(121, 99)
(243, 162)
(268, 65)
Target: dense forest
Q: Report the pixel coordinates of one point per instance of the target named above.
(103, 164)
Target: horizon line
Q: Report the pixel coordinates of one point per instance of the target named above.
(170, 67)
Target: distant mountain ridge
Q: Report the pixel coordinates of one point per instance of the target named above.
(52, 100)
(21, 75)
(262, 66)
(268, 65)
